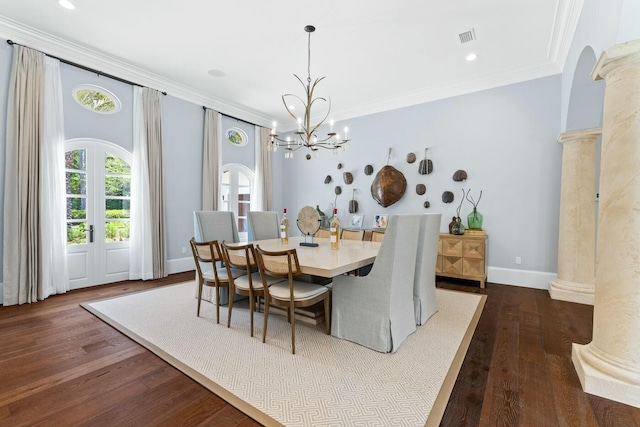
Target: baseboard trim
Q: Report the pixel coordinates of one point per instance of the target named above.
(179, 265)
(1, 293)
(523, 278)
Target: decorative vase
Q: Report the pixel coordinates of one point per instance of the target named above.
(474, 219)
(458, 228)
(451, 224)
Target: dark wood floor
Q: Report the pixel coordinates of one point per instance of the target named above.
(61, 366)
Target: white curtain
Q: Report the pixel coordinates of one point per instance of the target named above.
(211, 161)
(140, 258)
(55, 273)
(22, 241)
(264, 201)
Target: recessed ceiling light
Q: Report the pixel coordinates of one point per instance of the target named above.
(472, 57)
(216, 73)
(66, 4)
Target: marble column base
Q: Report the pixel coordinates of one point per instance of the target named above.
(582, 293)
(595, 381)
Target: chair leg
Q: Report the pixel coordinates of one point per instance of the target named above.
(217, 304)
(199, 296)
(266, 317)
(232, 293)
(327, 314)
(293, 328)
(252, 305)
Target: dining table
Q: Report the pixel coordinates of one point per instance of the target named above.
(323, 261)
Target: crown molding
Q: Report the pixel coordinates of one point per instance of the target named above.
(564, 27)
(55, 46)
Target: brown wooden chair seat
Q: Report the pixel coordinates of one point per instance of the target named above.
(291, 293)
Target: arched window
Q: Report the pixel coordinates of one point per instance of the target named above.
(237, 184)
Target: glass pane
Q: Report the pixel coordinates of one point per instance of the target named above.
(76, 159)
(76, 183)
(117, 186)
(117, 208)
(76, 233)
(242, 225)
(76, 208)
(95, 100)
(116, 231)
(243, 180)
(226, 176)
(115, 165)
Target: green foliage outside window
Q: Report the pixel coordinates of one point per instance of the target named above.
(95, 100)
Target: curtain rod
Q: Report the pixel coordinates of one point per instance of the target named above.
(204, 107)
(93, 70)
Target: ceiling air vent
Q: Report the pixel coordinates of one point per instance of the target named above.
(467, 36)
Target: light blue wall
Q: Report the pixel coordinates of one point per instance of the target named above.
(244, 155)
(182, 135)
(79, 122)
(504, 138)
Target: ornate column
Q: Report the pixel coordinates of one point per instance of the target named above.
(577, 235)
(609, 366)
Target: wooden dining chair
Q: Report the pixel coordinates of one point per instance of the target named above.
(377, 235)
(291, 293)
(208, 253)
(243, 257)
(352, 234)
(323, 233)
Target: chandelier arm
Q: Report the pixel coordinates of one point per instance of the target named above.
(325, 116)
(287, 107)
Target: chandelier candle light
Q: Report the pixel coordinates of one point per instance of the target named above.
(305, 135)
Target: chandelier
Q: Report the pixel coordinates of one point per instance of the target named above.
(305, 136)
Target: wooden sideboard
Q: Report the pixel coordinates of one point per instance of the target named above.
(462, 257)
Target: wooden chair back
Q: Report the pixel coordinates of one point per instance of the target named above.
(322, 233)
(377, 236)
(239, 256)
(352, 234)
(205, 252)
(278, 263)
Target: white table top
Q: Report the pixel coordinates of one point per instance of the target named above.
(324, 261)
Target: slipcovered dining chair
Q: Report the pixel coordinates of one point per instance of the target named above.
(424, 285)
(377, 310)
(208, 253)
(220, 226)
(243, 257)
(263, 225)
(290, 293)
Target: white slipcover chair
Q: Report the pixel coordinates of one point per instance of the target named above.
(424, 285)
(220, 226)
(377, 310)
(263, 225)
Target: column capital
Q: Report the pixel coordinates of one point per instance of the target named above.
(615, 54)
(578, 135)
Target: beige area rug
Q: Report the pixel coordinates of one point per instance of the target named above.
(328, 382)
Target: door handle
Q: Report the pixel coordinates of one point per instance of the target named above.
(91, 234)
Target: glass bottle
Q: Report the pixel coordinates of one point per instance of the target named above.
(284, 228)
(474, 219)
(334, 230)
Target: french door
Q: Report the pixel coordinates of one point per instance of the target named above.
(98, 194)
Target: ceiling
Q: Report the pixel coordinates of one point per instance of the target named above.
(375, 55)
